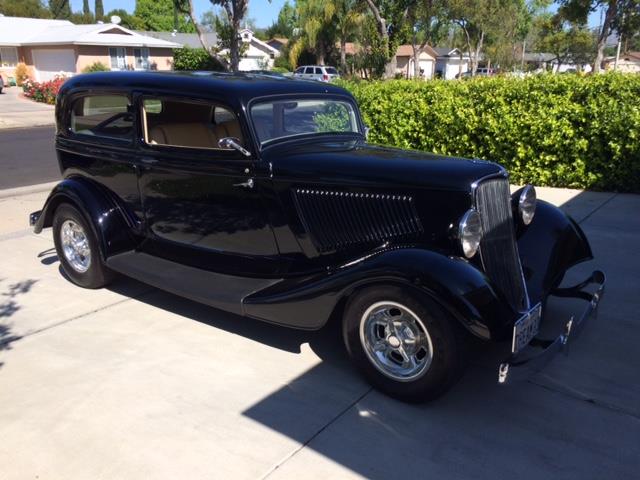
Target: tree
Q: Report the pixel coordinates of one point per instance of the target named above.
(429, 24)
(60, 9)
(127, 20)
(98, 10)
(186, 7)
(316, 29)
(24, 8)
(85, 7)
(621, 16)
(162, 16)
(349, 16)
(286, 22)
(482, 21)
(390, 19)
(565, 40)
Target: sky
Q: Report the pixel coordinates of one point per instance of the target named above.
(262, 11)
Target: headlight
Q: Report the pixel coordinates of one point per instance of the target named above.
(470, 233)
(527, 204)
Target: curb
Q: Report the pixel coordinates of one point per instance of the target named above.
(20, 191)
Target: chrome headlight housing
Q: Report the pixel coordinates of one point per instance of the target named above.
(527, 204)
(470, 232)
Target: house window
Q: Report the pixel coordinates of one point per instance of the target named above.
(118, 58)
(142, 58)
(8, 56)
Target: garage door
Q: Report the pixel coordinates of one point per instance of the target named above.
(49, 63)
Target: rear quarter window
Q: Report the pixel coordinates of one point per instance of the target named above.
(102, 116)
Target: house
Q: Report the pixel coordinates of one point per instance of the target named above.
(627, 63)
(258, 55)
(548, 62)
(190, 40)
(52, 47)
(451, 62)
(279, 43)
(405, 61)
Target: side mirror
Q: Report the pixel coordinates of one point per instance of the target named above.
(233, 143)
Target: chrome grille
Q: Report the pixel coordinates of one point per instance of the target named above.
(337, 220)
(498, 248)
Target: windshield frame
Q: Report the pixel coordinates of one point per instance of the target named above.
(360, 133)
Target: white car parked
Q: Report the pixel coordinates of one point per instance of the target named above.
(321, 73)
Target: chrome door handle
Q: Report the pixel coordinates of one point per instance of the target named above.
(247, 184)
(148, 161)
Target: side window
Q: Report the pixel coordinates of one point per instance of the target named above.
(299, 70)
(318, 71)
(106, 116)
(309, 70)
(182, 123)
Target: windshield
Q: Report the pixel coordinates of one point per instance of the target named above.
(286, 118)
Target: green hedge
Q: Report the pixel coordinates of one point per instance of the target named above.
(553, 130)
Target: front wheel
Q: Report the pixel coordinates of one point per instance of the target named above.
(405, 344)
(77, 249)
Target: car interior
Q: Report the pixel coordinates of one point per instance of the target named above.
(188, 124)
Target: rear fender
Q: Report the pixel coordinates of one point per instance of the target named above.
(108, 221)
(455, 284)
(548, 247)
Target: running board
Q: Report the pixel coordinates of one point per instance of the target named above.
(225, 292)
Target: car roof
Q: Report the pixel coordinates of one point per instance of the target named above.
(240, 85)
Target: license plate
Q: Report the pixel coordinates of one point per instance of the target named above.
(526, 328)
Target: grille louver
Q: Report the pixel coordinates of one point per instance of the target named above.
(337, 220)
(498, 248)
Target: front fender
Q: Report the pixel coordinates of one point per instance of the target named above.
(548, 247)
(107, 220)
(458, 286)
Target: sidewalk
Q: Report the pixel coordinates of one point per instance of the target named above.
(131, 382)
(19, 112)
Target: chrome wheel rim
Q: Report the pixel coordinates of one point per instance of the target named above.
(396, 341)
(75, 246)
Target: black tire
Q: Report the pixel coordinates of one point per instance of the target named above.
(97, 275)
(447, 339)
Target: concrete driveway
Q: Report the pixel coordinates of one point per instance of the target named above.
(19, 112)
(132, 382)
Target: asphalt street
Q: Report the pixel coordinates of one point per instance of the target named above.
(27, 157)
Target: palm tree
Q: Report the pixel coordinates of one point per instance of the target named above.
(349, 17)
(316, 28)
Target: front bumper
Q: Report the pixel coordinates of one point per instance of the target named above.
(519, 367)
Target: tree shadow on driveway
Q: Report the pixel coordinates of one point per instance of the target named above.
(9, 305)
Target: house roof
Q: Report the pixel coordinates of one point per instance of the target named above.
(539, 57)
(447, 52)
(185, 39)
(407, 51)
(19, 31)
(280, 40)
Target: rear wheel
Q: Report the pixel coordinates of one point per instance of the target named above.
(77, 249)
(405, 344)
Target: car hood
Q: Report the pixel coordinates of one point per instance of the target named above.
(356, 163)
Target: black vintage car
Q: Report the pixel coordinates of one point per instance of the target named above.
(259, 195)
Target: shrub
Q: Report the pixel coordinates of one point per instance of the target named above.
(280, 70)
(45, 92)
(553, 130)
(194, 59)
(21, 74)
(96, 67)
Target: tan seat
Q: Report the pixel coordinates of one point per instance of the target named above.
(192, 134)
(228, 129)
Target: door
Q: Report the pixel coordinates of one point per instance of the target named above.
(203, 205)
(49, 63)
